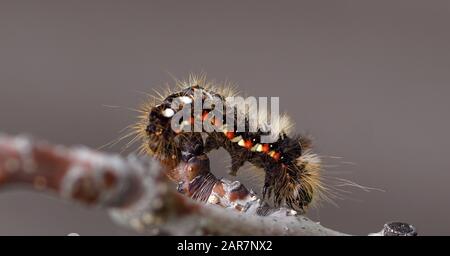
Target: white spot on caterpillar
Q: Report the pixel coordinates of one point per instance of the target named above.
(186, 100)
(257, 148)
(241, 143)
(168, 112)
(237, 139)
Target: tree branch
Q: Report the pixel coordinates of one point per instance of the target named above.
(138, 194)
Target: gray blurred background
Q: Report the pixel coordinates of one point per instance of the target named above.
(368, 79)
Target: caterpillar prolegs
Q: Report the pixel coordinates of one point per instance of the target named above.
(292, 171)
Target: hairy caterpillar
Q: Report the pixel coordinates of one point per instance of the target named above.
(292, 171)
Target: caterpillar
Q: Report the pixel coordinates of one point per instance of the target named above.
(292, 171)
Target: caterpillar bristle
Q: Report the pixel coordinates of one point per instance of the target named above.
(225, 89)
(312, 180)
(153, 144)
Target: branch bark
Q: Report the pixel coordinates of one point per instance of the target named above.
(138, 194)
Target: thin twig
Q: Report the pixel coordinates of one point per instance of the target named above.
(138, 194)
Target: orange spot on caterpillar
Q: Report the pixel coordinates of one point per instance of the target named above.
(248, 144)
(230, 135)
(276, 156)
(265, 148)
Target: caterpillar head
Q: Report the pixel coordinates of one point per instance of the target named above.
(160, 137)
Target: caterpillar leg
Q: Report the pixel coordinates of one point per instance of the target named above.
(190, 145)
(194, 176)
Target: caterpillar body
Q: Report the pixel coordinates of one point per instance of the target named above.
(292, 171)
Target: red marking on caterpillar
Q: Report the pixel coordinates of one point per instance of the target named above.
(292, 172)
(265, 148)
(248, 144)
(230, 135)
(276, 156)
